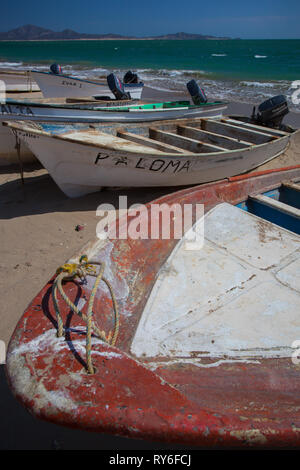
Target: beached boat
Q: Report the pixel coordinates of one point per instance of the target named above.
(110, 111)
(17, 81)
(54, 85)
(194, 346)
(91, 111)
(8, 153)
(172, 153)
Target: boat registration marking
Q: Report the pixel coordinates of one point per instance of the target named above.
(142, 163)
(9, 109)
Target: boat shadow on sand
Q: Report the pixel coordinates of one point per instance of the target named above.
(40, 195)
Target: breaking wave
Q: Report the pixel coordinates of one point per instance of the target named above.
(216, 88)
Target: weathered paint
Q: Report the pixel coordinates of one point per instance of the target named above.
(218, 402)
(53, 86)
(82, 161)
(219, 300)
(35, 112)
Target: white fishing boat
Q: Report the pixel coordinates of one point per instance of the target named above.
(60, 85)
(91, 112)
(172, 153)
(8, 152)
(17, 81)
(107, 112)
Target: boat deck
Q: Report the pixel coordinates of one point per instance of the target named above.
(188, 136)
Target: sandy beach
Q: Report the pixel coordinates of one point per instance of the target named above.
(38, 233)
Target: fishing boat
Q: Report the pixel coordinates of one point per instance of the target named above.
(57, 84)
(17, 81)
(91, 110)
(95, 112)
(197, 345)
(25, 109)
(172, 153)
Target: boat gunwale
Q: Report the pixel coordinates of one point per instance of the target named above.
(96, 106)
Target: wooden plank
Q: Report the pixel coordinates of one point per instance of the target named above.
(291, 185)
(212, 138)
(186, 143)
(236, 132)
(140, 139)
(249, 125)
(278, 205)
(105, 141)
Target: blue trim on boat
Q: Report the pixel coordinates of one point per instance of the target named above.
(290, 196)
(275, 215)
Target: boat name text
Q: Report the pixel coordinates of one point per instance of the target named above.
(16, 109)
(158, 164)
(67, 83)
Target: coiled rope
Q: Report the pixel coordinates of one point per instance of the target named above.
(82, 269)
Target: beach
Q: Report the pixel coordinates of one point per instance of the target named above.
(38, 222)
(38, 233)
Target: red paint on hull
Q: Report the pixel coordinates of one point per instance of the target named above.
(232, 405)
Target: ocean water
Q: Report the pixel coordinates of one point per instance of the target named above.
(237, 70)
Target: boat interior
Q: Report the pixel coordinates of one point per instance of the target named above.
(280, 206)
(182, 136)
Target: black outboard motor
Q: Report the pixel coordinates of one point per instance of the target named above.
(130, 77)
(198, 95)
(116, 87)
(56, 69)
(272, 111)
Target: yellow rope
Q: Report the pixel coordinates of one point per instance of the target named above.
(82, 269)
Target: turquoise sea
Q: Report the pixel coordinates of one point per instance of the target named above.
(244, 70)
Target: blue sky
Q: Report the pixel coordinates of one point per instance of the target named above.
(274, 19)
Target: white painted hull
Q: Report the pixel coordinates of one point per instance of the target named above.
(18, 82)
(55, 86)
(80, 169)
(63, 114)
(8, 153)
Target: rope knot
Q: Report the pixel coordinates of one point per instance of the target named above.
(69, 271)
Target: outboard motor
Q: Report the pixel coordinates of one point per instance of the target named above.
(130, 77)
(271, 112)
(198, 95)
(56, 69)
(116, 87)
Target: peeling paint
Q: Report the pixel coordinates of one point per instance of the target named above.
(250, 436)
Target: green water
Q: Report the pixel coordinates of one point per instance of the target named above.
(234, 70)
(237, 59)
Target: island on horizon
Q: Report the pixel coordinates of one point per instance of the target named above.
(35, 33)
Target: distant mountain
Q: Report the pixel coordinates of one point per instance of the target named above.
(187, 36)
(31, 32)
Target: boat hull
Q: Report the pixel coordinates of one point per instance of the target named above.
(18, 82)
(8, 152)
(54, 86)
(27, 112)
(80, 169)
(246, 399)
